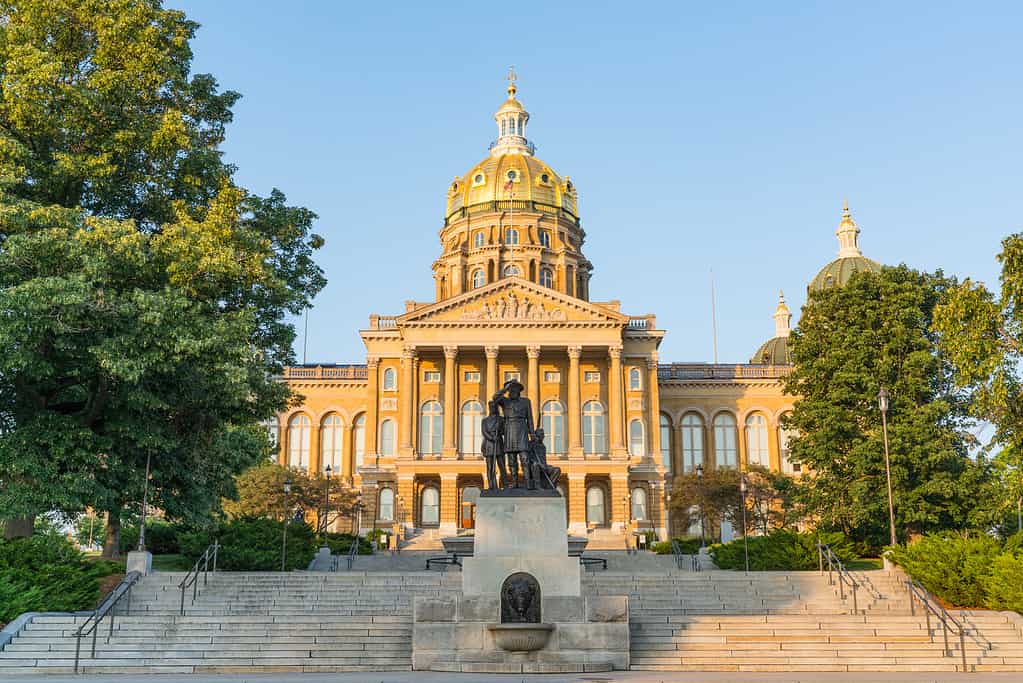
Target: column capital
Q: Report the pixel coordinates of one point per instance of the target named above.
(651, 363)
(491, 351)
(574, 352)
(615, 351)
(451, 352)
(533, 351)
(409, 351)
(372, 362)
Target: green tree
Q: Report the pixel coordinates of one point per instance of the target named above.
(709, 499)
(851, 340)
(981, 333)
(145, 296)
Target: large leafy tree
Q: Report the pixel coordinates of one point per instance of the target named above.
(143, 295)
(851, 340)
(981, 332)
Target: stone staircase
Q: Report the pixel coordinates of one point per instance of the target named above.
(796, 621)
(244, 622)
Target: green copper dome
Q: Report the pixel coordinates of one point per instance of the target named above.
(838, 272)
(773, 352)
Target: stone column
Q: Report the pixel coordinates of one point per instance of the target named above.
(575, 442)
(533, 380)
(618, 506)
(450, 400)
(314, 448)
(415, 402)
(372, 404)
(406, 409)
(448, 504)
(677, 463)
(655, 408)
(658, 510)
(577, 504)
(491, 353)
(615, 398)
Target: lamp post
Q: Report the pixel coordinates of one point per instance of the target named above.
(745, 532)
(703, 533)
(326, 499)
(287, 518)
(145, 500)
(882, 402)
(667, 504)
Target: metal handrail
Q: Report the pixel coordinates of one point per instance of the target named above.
(352, 552)
(680, 557)
(676, 550)
(91, 625)
(932, 606)
(835, 565)
(191, 579)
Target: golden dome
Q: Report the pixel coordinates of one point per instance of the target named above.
(850, 259)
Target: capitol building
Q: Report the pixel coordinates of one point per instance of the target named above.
(512, 301)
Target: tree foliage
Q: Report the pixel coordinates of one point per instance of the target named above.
(851, 340)
(261, 494)
(144, 295)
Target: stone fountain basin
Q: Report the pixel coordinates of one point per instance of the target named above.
(521, 637)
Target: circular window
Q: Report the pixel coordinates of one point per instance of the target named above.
(511, 175)
(478, 178)
(545, 178)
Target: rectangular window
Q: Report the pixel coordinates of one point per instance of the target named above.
(552, 377)
(471, 376)
(545, 238)
(512, 375)
(431, 377)
(591, 377)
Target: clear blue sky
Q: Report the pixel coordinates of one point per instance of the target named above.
(700, 135)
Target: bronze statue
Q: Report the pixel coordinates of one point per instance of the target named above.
(546, 476)
(518, 430)
(492, 428)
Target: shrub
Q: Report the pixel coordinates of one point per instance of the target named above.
(340, 544)
(46, 573)
(689, 546)
(253, 544)
(950, 565)
(1003, 584)
(781, 551)
(161, 537)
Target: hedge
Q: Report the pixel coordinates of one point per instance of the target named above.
(781, 551)
(689, 546)
(253, 544)
(340, 544)
(161, 537)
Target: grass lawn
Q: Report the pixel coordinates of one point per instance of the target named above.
(865, 564)
(171, 563)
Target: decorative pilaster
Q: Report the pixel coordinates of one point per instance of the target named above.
(575, 442)
(406, 409)
(655, 408)
(448, 503)
(416, 380)
(533, 380)
(491, 353)
(372, 410)
(615, 398)
(450, 400)
(577, 503)
(618, 509)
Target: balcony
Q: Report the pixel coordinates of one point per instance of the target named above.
(350, 372)
(699, 371)
(523, 205)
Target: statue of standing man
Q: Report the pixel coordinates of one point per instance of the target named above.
(518, 430)
(492, 428)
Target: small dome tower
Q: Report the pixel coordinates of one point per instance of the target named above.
(775, 351)
(850, 259)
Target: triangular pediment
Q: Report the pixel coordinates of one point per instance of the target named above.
(512, 300)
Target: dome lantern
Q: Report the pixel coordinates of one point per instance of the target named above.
(775, 351)
(511, 124)
(782, 317)
(848, 234)
(850, 258)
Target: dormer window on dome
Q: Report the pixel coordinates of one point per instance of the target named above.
(479, 179)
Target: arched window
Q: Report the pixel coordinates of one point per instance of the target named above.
(595, 506)
(639, 503)
(724, 440)
(553, 421)
(479, 278)
(787, 466)
(637, 444)
(387, 437)
(756, 440)
(511, 236)
(665, 427)
(359, 440)
(472, 437)
(331, 442)
(545, 235)
(479, 239)
(272, 427)
(546, 277)
(386, 509)
(692, 442)
(390, 379)
(431, 428)
(429, 513)
(594, 440)
(298, 441)
(512, 271)
(635, 379)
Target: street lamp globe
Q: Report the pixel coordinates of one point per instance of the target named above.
(882, 399)
(287, 486)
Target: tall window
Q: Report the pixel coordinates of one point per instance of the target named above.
(594, 439)
(386, 509)
(545, 238)
(429, 513)
(635, 379)
(595, 508)
(478, 278)
(665, 427)
(692, 442)
(390, 379)
(472, 437)
(724, 440)
(511, 236)
(359, 440)
(756, 440)
(637, 445)
(512, 271)
(546, 277)
(787, 466)
(479, 239)
(639, 503)
(553, 421)
(431, 428)
(298, 441)
(387, 437)
(331, 441)
(273, 434)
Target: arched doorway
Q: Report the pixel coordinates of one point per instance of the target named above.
(596, 506)
(467, 512)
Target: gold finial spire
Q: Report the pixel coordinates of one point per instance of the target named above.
(782, 317)
(848, 234)
(845, 209)
(511, 81)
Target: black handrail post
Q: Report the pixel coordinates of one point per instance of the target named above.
(962, 646)
(944, 633)
(95, 631)
(856, 608)
(912, 600)
(216, 547)
(78, 647)
(183, 595)
(929, 632)
(110, 632)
